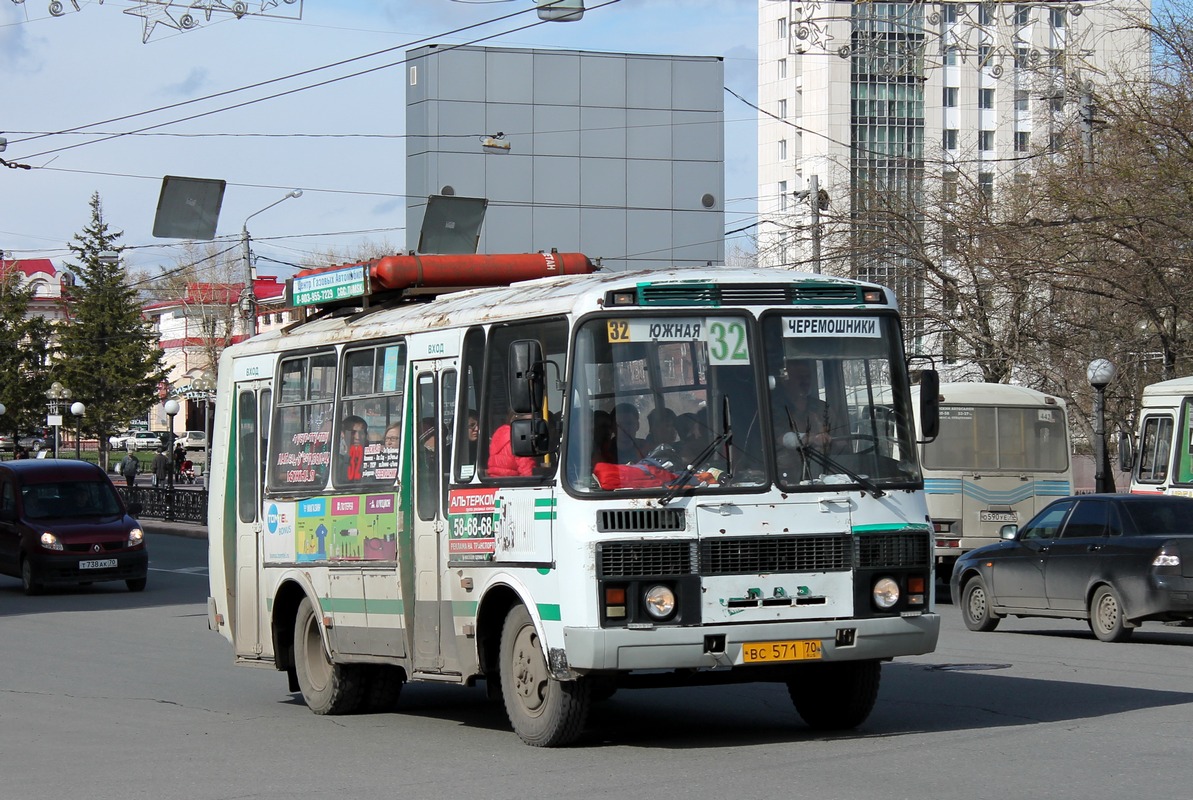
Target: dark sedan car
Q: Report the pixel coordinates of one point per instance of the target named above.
(1115, 560)
(61, 521)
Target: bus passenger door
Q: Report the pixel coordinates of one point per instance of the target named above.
(252, 414)
(432, 622)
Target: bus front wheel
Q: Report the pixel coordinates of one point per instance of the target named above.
(544, 712)
(327, 688)
(837, 696)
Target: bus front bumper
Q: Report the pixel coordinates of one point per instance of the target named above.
(720, 646)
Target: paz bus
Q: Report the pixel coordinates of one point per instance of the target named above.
(1002, 454)
(1165, 440)
(562, 482)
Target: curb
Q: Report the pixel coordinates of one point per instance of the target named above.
(185, 529)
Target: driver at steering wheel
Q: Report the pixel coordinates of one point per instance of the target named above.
(806, 414)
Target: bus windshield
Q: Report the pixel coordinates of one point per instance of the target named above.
(840, 410)
(1012, 438)
(663, 402)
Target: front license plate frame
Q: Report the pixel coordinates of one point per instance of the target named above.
(98, 563)
(782, 651)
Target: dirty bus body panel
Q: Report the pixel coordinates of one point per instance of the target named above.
(572, 484)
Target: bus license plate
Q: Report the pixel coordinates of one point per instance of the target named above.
(773, 652)
(99, 563)
(997, 516)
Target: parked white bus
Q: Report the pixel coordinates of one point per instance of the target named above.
(1164, 442)
(570, 484)
(1002, 454)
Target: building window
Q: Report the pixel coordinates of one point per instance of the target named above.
(950, 97)
(1022, 58)
(781, 28)
(948, 188)
(985, 140)
(985, 14)
(1022, 14)
(986, 185)
(949, 140)
(782, 149)
(782, 68)
(984, 53)
(1056, 103)
(949, 12)
(1022, 141)
(950, 57)
(1058, 17)
(1021, 100)
(782, 109)
(985, 98)
(782, 195)
(1055, 142)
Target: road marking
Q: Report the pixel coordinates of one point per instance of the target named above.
(183, 571)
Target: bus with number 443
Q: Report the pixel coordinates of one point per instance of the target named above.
(563, 482)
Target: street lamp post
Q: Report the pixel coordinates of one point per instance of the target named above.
(78, 409)
(57, 394)
(204, 385)
(171, 409)
(248, 301)
(1101, 373)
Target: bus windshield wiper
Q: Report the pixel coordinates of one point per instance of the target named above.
(696, 466)
(829, 463)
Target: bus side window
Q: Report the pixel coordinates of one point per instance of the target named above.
(468, 428)
(370, 396)
(1154, 449)
(300, 449)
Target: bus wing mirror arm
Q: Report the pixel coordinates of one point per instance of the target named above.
(1126, 452)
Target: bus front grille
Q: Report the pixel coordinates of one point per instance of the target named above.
(782, 554)
(908, 548)
(628, 559)
(640, 520)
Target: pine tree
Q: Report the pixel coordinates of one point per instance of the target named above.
(108, 355)
(23, 364)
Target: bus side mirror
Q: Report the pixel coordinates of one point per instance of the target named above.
(929, 404)
(1126, 452)
(529, 436)
(526, 376)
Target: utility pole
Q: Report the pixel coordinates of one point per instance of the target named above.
(814, 201)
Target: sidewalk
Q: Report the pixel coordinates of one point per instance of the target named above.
(190, 530)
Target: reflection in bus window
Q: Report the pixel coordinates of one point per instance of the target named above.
(300, 445)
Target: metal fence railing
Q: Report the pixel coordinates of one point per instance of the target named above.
(171, 505)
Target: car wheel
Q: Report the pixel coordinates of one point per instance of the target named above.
(327, 688)
(975, 606)
(29, 579)
(544, 712)
(136, 584)
(1106, 616)
(835, 697)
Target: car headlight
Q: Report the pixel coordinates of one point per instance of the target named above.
(50, 542)
(135, 537)
(885, 593)
(659, 601)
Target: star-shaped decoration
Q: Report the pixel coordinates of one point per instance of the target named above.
(154, 14)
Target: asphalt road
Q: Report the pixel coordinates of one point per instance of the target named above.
(107, 694)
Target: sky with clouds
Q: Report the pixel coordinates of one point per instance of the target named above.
(341, 143)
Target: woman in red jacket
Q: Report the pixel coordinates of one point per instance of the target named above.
(502, 461)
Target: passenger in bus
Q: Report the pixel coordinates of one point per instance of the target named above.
(626, 421)
(392, 438)
(354, 437)
(604, 438)
(428, 442)
(662, 428)
(474, 432)
(502, 461)
(802, 410)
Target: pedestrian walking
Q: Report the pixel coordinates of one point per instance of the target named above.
(161, 467)
(130, 467)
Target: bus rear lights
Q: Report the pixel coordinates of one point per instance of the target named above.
(659, 601)
(942, 525)
(615, 602)
(885, 593)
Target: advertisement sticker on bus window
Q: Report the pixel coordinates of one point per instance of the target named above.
(470, 514)
(726, 337)
(833, 327)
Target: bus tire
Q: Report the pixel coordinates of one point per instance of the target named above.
(975, 606)
(837, 696)
(382, 688)
(544, 712)
(1106, 616)
(327, 688)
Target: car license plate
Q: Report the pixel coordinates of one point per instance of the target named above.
(99, 563)
(997, 516)
(773, 652)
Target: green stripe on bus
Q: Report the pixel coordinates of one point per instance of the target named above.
(353, 605)
(463, 608)
(886, 526)
(544, 515)
(544, 501)
(549, 612)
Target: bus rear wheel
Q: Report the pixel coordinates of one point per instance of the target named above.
(544, 712)
(327, 688)
(837, 696)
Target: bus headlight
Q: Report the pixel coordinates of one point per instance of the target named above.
(885, 593)
(659, 602)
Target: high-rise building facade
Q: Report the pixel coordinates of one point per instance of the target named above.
(866, 101)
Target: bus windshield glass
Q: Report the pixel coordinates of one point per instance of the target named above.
(667, 403)
(996, 438)
(840, 409)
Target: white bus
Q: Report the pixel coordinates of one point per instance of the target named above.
(1002, 454)
(566, 485)
(1165, 440)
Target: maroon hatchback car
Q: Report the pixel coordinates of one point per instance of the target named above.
(62, 522)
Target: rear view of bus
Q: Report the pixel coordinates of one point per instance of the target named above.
(1003, 453)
